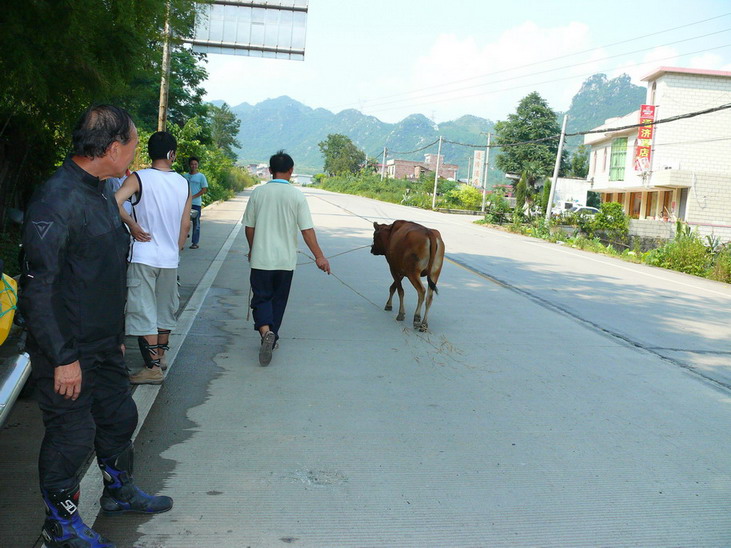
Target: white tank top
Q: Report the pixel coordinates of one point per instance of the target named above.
(159, 210)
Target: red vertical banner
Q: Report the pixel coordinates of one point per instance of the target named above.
(643, 149)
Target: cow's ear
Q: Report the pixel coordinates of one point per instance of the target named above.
(375, 225)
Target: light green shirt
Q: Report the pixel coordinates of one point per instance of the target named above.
(279, 212)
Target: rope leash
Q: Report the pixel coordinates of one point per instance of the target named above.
(331, 256)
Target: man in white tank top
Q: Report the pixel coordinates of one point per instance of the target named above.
(159, 225)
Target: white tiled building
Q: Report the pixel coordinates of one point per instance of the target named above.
(688, 176)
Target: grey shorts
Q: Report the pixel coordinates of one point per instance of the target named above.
(152, 299)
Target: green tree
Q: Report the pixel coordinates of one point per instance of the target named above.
(521, 194)
(224, 129)
(341, 155)
(57, 59)
(593, 199)
(141, 96)
(542, 201)
(579, 163)
(532, 120)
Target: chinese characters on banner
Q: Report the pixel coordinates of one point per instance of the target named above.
(643, 150)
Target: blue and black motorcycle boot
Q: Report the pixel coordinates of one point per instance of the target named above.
(121, 495)
(63, 527)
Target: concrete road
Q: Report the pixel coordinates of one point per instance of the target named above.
(560, 398)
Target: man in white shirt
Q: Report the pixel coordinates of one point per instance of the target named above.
(159, 226)
(275, 213)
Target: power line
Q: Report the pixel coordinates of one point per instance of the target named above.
(603, 130)
(556, 58)
(417, 150)
(419, 95)
(533, 84)
(657, 122)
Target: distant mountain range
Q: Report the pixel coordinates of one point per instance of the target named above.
(284, 123)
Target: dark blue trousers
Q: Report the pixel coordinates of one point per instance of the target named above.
(270, 292)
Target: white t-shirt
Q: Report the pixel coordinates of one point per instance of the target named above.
(279, 212)
(158, 209)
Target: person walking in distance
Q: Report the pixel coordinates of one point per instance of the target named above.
(159, 226)
(198, 187)
(275, 213)
(74, 290)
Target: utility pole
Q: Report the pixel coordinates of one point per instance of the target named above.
(486, 166)
(469, 170)
(162, 114)
(436, 175)
(383, 165)
(556, 167)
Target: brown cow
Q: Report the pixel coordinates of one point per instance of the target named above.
(412, 250)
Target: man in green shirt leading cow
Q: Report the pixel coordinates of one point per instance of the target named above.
(275, 213)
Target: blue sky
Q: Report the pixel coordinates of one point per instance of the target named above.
(392, 58)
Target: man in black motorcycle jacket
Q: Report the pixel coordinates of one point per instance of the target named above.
(72, 299)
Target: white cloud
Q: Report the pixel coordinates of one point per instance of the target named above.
(637, 69)
(460, 76)
(709, 61)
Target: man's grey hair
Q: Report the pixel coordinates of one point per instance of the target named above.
(98, 127)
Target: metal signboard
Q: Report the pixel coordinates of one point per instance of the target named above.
(271, 29)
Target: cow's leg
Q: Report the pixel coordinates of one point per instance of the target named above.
(416, 282)
(391, 291)
(396, 286)
(401, 311)
(425, 322)
(436, 271)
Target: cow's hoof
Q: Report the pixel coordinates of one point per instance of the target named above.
(400, 317)
(388, 307)
(423, 327)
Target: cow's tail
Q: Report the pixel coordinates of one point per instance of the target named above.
(433, 243)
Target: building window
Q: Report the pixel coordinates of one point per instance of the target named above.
(618, 159)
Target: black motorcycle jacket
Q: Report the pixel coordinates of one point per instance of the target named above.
(73, 284)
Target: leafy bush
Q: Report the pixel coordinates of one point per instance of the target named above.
(721, 269)
(465, 197)
(417, 193)
(497, 209)
(686, 253)
(540, 229)
(611, 222)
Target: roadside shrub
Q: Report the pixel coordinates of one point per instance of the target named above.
(721, 269)
(540, 229)
(238, 179)
(497, 209)
(611, 222)
(588, 244)
(686, 253)
(417, 199)
(465, 197)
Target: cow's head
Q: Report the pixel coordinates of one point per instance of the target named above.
(381, 237)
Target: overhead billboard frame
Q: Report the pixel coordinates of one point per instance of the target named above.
(269, 29)
(273, 29)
